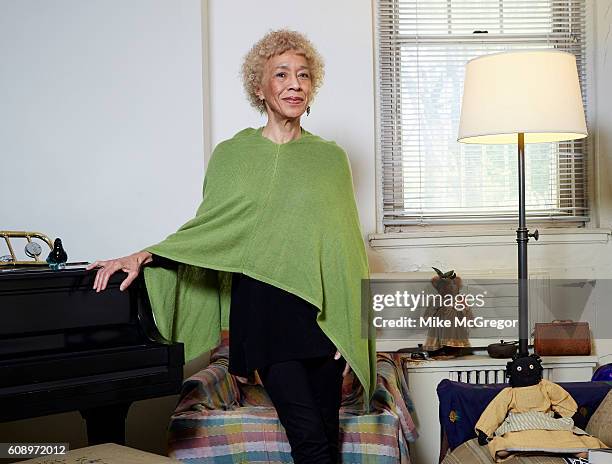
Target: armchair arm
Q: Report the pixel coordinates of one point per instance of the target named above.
(211, 388)
(392, 394)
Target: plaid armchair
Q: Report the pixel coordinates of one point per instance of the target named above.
(220, 419)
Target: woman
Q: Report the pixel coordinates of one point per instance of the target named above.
(276, 237)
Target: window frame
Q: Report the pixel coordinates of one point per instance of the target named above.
(504, 226)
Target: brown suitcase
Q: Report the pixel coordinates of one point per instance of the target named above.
(559, 338)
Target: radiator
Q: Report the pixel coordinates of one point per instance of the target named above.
(487, 375)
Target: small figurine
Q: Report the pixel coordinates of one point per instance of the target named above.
(445, 275)
(58, 257)
(420, 353)
(532, 415)
(447, 341)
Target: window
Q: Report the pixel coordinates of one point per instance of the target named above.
(427, 176)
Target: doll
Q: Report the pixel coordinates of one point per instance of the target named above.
(450, 339)
(532, 415)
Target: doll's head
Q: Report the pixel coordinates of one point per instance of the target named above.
(524, 371)
(446, 283)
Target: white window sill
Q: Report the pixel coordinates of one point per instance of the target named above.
(463, 238)
(393, 345)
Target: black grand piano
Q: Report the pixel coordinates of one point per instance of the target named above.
(64, 347)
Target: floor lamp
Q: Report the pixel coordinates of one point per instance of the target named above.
(530, 96)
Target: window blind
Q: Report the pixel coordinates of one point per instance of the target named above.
(427, 176)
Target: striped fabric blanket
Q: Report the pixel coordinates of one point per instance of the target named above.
(221, 421)
(536, 420)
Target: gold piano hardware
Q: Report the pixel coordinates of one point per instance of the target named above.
(13, 261)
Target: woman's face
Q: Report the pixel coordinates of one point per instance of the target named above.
(286, 85)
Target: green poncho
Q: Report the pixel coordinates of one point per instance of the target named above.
(284, 214)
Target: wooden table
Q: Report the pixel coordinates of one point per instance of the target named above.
(108, 453)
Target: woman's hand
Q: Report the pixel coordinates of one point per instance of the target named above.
(129, 264)
(347, 368)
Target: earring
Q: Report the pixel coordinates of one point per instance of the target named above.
(308, 111)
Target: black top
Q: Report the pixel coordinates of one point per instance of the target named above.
(269, 325)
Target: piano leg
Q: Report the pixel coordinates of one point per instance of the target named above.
(106, 424)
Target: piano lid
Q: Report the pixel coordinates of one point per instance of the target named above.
(42, 267)
(42, 310)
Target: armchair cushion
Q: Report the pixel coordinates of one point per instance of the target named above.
(211, 388)
(252, 393)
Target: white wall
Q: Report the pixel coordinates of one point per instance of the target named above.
(100, 144)
(101, 110)
(603, 144)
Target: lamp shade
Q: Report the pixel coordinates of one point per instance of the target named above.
(535, 92)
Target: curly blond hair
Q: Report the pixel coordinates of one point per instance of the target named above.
(272, 44)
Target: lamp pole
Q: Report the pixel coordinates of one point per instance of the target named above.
(522, 238)
(542, 106)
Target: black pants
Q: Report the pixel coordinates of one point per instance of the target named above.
(306, 394)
